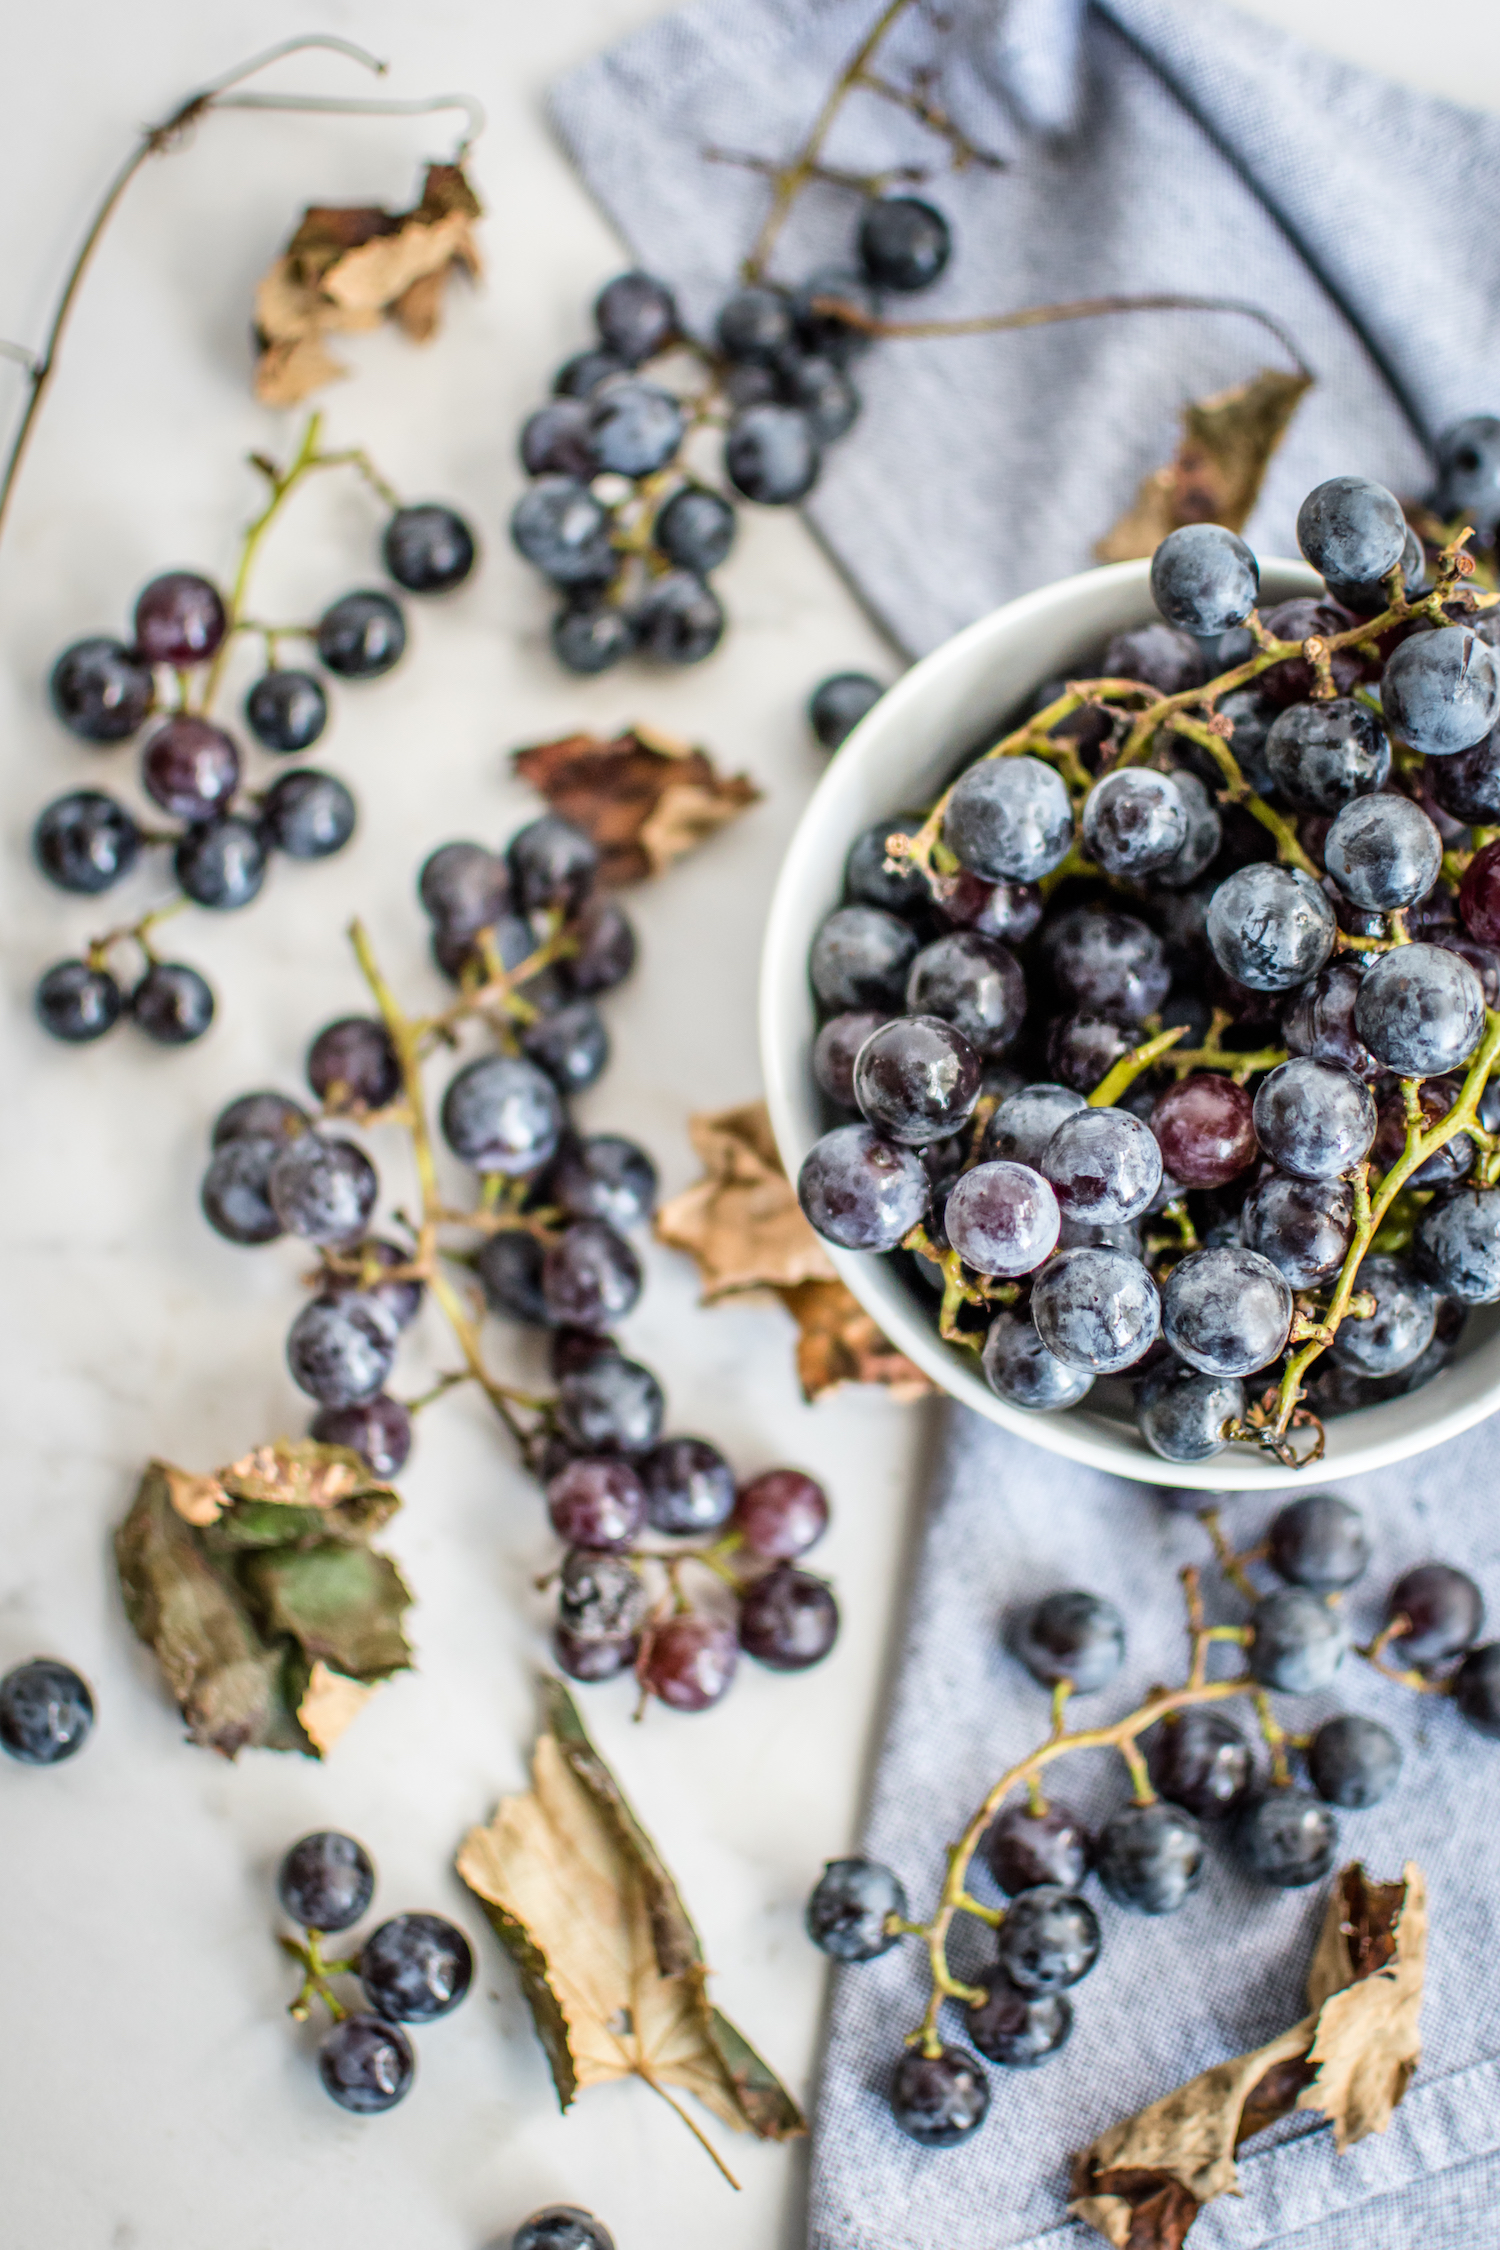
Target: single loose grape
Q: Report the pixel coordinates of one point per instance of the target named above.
(939, 2100)
(1104, 1165)
(85, 842)
(1226, 1311)
(850, 1906)
(1286, 1837)
(102, 690)
(861, 1191)
(1396, 1334)
(1383, 852)
(1440, 691)
(1151, 1857)
(1353, 1761)
(1270, 927)
(415, 1968)
(1199, 1758)
(326, 1881)
(46, 1712)
(1074, 1638)
(1352, 528)
(1096, 1309)
(1204, 1130)
(286, 710)
(1019, 1368)
(428, 548)
(1320, 1542)
(180, 620)
(1322, 755)
(1204, 579)
(1021, 2030)
(838, 703)
(1184, 1414)
(1002, 1219)
(903, 242)
(1134, 822)
(1009, 817)
(172, 1004)
(1297, 1642)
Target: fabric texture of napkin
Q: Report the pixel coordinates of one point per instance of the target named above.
(1149, 145)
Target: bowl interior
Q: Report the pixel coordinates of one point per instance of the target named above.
(898, 759)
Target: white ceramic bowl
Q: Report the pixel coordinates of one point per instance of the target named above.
(902, 755)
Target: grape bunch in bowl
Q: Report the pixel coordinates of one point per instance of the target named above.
(1155, 1053)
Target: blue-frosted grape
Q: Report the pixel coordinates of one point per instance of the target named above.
(1151, 1857)
(680, 619)
(1009, 817)
(46, 1712)
(1204, 579)
(1440, 691)
(1399, 1330)
(1184, 1414)
(85, 842)
(1226, 1311)
(1104, 1166)
(975, 983)
(222, 863)
(1351, 528)
(1383, 852)
(502, 1114)
(756, 325)
(1320, 1542)
(341, 1349)
(861, 1191)
(378, 1429)
(1420, 1010)
(1019, 2029)
(563, 2226)
(366, 2064)
(1025, 1122)
(1081, 1050)
(1313, 1119)
(916, 1079)
(1159, 655)
(1321, 755)
(563, 530)
(771, 454)
(1270, 927)
(903, 242)
(323, 1189)
(1353, 1761)
(591, 1278)
(1074, 1639)
(635, 426)
(1002, 1219)
(236, 1190)
(1369, 600)
(571, 1044)
(689, 1487)
(1134, 822)
(509, 1266)
(1285, 1837)
(1468, 466)
(1019, 1368)
(326, 1881)
(695, 529)
(612, 1405)
(172, 1004)
(307, 814)
(823, 391)
(1319, 1021)
(850, 1906)
(1108, 964)
(261, 1116)
(636, 316)
(428, 548)
(860, 958)
(1297, 1642)
(604, 1176)
(362, 635)
(1457, 1245)
(555, 440)
(415, 1968)
(835, 1048)
(1096, 1309)
(1048, 1940)
(591, 633)
(464, 887)
(1205, 834)
(1304, 1227)
(938, 2100)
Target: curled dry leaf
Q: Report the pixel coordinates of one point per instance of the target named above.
(608, 1958)
(1351, 2058)
(350, 267)
(744, 1227)
(645, 798)
(1216, 474)
(272, 1617)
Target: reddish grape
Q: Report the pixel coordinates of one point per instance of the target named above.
(191, 768)
(1479, 895)
(598, 1503)
(179, 619)
(780, 1513)
(690, 1661)
(1453, 1161)
(1204, 1128)
(789, 1619)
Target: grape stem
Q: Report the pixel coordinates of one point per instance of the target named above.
(315, 1974)
(1046, 316)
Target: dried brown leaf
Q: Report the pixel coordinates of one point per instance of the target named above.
(1142, 2183)
(608, 1958)
(198, 1500)
(329, 1703)
(298, 1473)
(838, 1342)
(1216, 474)
(742, 1222)
(645, 799)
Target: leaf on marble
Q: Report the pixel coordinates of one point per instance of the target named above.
(608, 1958)
(838, 1342)
(348, 267)
(252, 1605)
(1142, 2184)
(645, 798)
(1216, 474)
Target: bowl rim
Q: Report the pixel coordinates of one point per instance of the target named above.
(785, 1011)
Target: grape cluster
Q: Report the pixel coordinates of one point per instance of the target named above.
(1194, 1768)
(46, 1712)
(623, 515)
(221, 833)
(412, 1969)
(1129, 1043)
(532, 944)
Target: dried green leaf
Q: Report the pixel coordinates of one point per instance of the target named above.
(1216, 474)
(608, 1958)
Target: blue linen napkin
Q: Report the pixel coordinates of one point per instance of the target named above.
(1149, 146)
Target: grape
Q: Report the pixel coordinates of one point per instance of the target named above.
(597, 1503)
(695, 529)
(868, 881)
(1199, 1759)
(46, 1712)
(1476, 1689)
(604, 945)
(771, 454)
(172, 1004)
(402, 1298)
(1104, 1165)
(258, 1117)
(1270, 927)
(85, 842)
(1484, 960)
(1297, 1642)
(1048, 1940)
(101, 690)
(1467, 785)
(326, 1881)
(689, 1487)
(903, 243)
(1353, 1761)
(502, 1114)
(1024, 1848)
(1399, 1330)
(1151, 1857)
(428, 548)
(756, 325)
(190, 768)
(829, 332)
(563, 530)
(1319, 1021)
(1444, 1612)
(1134, 822)
(604, 1177)
(1293, 680)
(1205, 834)
(614, 1405)
(362, 635)
(838, 703)
(1204, 1130)
(601, 1599)
(571, 1045)
(1351, 528)
(1109, 964)
(835, 1048)
(789, 1620)
(557, 440)
(1304, 1227)
(916, 1078)
(636, 427)
(938, 2100)
(307, 814)
(366, 2064)
(341, 1349)
(1204, 579)
(580, 376)
(179, 620)
(1184, 1414)
(1322, 755)
(1440, 691)
(286, 710)
(1468, 464)
(1023, 1125)
(1457, 1245)
(689, 1662)
(850, 1905)
(1383, 852)
(823, 391)
(236, 1190)
(1081, 1050)
(1369, 600)
(1019, 1368)
(1314, 1119)
(1226, 1311)
(1160, 655)
(323, 1189)
(509, 1267)
(1002, 1219)
(1016, 2029)
(1009, 817)
(222, 865)
(553, 864)
(591, 1278)
(77, 1003)
(1096, 1309)
(415, 1968)
(590, 634)
(378, 1429)
(562, 2226)
(680, 620)
(1073, 1639)
(351, 1065)
(859, 1191)
(636, 316)
(1286, 1837)
(1005, 910)
(780, 1514)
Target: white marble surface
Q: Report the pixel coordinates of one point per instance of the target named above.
(154, 2096)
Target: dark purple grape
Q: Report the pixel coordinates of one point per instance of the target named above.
(1285, 1837)
(1005, 910)
(1134, 823)
(260, 1117)
(690, 1661)
(464, 887)
(1457, 1245)
(366, 2064)
(1476, 1689)
(179, 620)
(402, 1298)
(307, 814)
(552, 864)
(1048, 1940)
(1319, 1021)
(286, 710)
(938, 2100)
(829, 332)
(1019, 1368)
(695, 529)
(102, 690)
(591, 634)
(1351, 528)
(502, 1114)
(1300, 619)
(604, 1177)
(680, 619)
(1160, 656)
(509, 1267)
(613, 1405)
(636, 316)
(850, 1907)
(1025, 1122)
(1353, 1761)
(1009, 818)
(362, 635)
(822, 389)
(562, 2226)
(789, 1620)
(1440, 691)
(341, 1349)
(323, 1189)
(1096, 1309)
(352, 1066)
(1002, 1219)
(236, 1189)
(76, 1002)
(1071, 1639)
(604, 945)
(46, 1712)
(1082, 1050)
(564, 531)
(172, 1004)
(756, 324)
(1467, 785)
(222, 864)
(1104, 1165)
(1420, 1010)
(378, 1429)
(898, 887)
(1383, 852)
(1304, 1227)
(1321, 755)
(838, 703)
(580, 376)
(771, 454)
(903, 243)
(1270, 927)
(190, 768)
(1444, 1612)
(1297, 1642)
(591, 1278)
(835, 1048)
(860, 1191)
(916, 1079)
(1204, 579)
(1024, 1847)
(689, 1487)
(1019, 2029)
(1107, 964)
(780, 1514)
(571, 1045)
(1226, 1311)
(415, 1968)
(1205, 834)
(1200, 1759)
(972, 982)
(1314, 1119)
(85, 842)
(557, 440)
(1204, 1130)
(1151, 1857)
(1184, 1414)
(1400, 1328)
(326, 1881)
(597, 1504)
(636, 426)
(1468, 465)
(1452, 1162)
(428, 548)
